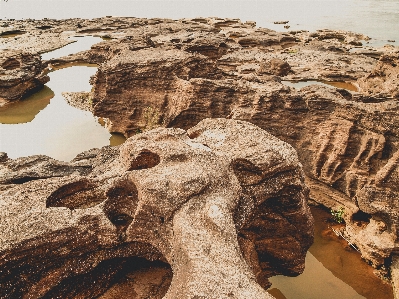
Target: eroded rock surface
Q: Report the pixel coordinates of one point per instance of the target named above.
(21, 74)
(223, 203)
(345, 140)
(161, 72)
(383, 81)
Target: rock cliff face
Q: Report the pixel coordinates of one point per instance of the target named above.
(346, 140)
(21, 74)
(223, 203)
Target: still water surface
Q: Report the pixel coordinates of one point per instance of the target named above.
(45, 124)
(333, 270)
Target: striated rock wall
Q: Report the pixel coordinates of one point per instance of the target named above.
(224, 203)
(21, 74)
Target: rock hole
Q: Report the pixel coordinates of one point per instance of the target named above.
(345, 93)
(116, 278)
(194, 134)
(121, 204)
(145, 159)
(44, 27)
(78, 194)
(23, 180)
(361, 217)
(121, 219)
(246, 172)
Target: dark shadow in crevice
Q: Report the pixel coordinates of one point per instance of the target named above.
(117, 278)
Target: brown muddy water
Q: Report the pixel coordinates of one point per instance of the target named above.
(45, 124)
(333, 270)
(338, 84)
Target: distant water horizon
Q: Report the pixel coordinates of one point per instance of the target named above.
(378, 19)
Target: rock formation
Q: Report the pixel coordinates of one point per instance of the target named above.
(383, 81)
(21, 74)
(345, 140)
(165, 73)
(223, 203)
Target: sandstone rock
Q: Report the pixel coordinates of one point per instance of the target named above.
(176, 73)
(223, 203)
(276, 67)
(341, 137)
(383, 81)
(21, 74)
(36, 41)
(167, 73)
(81, 100)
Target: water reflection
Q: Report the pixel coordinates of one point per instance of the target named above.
(11, 34)
(45, 124)
(116, 139)
(80, 43)
(60, 130)
(26, 110)
(333, 270)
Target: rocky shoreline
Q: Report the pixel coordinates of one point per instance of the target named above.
(176, 73)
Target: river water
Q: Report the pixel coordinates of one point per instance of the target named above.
(332, 270)
(378, 19)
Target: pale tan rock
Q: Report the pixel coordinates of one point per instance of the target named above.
(224, 204)
(383, 81)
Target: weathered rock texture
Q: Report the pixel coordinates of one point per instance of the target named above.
(21, 74)
(160, 72)
(346, 141)
(223, 203)
(383, 81)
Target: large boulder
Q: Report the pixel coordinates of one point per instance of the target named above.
(223, 203)
(21, 74)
